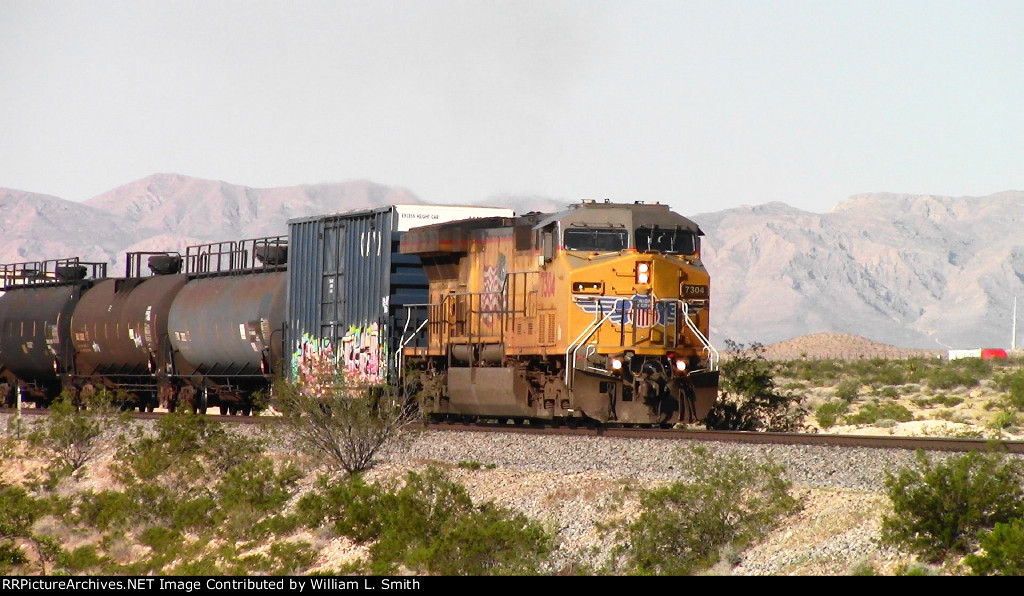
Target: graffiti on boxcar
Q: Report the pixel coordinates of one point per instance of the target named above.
(313, 362)
(363, 355)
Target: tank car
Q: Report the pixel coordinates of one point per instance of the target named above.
(599, 313)
(119, 331)
(225, 324)
(35, 314)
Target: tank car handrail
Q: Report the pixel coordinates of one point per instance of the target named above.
(234, 256)
(50, 271)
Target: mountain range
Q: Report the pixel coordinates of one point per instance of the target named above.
(915, 271)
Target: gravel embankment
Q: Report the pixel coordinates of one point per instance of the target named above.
(577, 482)
(574, 484)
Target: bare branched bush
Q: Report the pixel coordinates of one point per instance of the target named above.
(328, 414)
(73, 434)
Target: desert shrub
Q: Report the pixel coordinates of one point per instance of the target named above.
(82, 559)
(847, 390)
(106, 510)
(890, 392)
(877, 371)
(1013, 384)
(820, 372)
(72, 432)
(749, 399)
(250, 491)
(863, 568)
(870, 413)
(19, 512)
(429, 524)
(177, 471)
(965, 372)
(327, 414)
(828, 414)
(1004, 420)
(1002, 550)
(939, 508)
(938, 400)
(683, 527)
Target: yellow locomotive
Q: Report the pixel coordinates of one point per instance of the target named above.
(595, 314)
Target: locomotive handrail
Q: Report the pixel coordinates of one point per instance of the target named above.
(713, 355)
(404, 340)
(581, 340)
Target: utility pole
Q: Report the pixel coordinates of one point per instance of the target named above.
(1013, 342)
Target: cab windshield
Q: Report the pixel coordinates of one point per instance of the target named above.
(596, 239)
(673, 242)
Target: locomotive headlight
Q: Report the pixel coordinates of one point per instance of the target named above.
(643, 273)
(680, 365)
(616, 364)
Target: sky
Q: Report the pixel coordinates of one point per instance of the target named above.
(704, 105)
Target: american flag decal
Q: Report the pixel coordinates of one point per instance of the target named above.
(639, 310)
(490, 302)
(642, 313)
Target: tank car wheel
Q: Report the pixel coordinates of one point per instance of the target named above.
(518, 421)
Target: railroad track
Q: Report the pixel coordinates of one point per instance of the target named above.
(765, 438)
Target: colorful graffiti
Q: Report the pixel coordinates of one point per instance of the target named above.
(363, 354)
(360, 355)
(313, 364)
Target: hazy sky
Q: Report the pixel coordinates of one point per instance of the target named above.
(704, 105)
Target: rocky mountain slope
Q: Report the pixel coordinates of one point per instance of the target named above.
(906, 270)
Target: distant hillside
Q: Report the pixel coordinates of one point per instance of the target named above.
(912, 271)
(841, 346)
(905, 270)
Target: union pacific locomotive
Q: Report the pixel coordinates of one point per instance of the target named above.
(598, 313)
